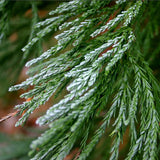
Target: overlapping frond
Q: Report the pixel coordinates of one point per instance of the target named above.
(96, 58)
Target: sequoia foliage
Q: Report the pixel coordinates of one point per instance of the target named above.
(106, 59)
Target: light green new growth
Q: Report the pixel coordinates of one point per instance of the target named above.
(99, 60)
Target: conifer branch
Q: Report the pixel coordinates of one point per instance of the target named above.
(97, 57)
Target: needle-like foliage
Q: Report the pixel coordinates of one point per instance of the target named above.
(102, 59)
(15, 30)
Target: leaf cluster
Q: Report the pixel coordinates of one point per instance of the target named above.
(98, 60)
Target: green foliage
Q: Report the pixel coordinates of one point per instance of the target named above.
(16, 28)
(101, 58)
